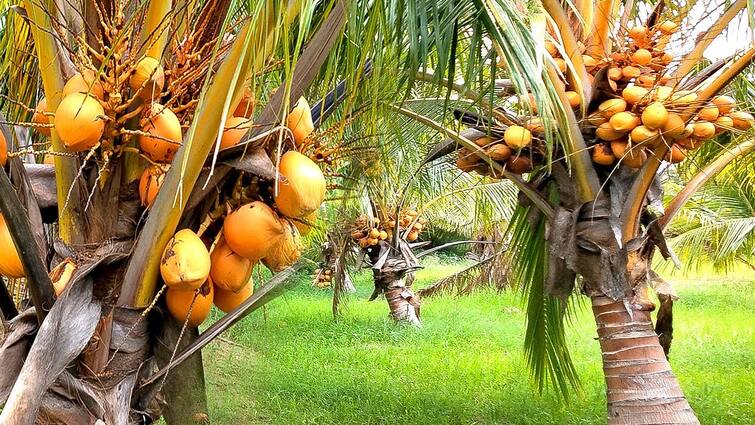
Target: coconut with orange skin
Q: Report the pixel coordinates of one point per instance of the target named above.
(185, 263)
(229, 271)
(84, 82)
(10, 261)
(302, 188)
(288, 249)
(147, 79)
(601, 154)
(235, 128)
(79, 122)
(252, 230)
(199, 302)
(246, 105)
(299, 121)
(40, 118)
(742, 120)
(725, 104)
(227, 301)
(149, 183)
(704, 130)
(164, 137)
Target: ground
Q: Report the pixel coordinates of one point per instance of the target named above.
(294, 364)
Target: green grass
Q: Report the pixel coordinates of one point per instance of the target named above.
(465, 366)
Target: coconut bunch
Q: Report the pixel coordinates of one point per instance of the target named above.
(369, 232)
(323, 278)
(513, 152)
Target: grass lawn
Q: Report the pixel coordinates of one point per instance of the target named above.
(465, 366)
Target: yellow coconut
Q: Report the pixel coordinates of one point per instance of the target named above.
(645, 81)
(560, 64)
(742, 120)
(619, 147)
(227, 301)
(3, 150)
(86, 83)
(499, 152)
(612, 106)
(664, 93)
(150, 182)
(164, 131)
(654, 116)
(704, 130)
(668, 27)
(624, 122)
(79, 122)
(517, 137)
(573, 97)
(288, 249)
(723, 123)
(614, 74)
(674, 127)
(10, 262)
(40, 118)
(185, 263)
(629, 72)
(181, 302)
(635, 94)
(302, 188)
(229, 271)
(724, 103)
(642, 57)
(638, 32)
(676, 154)
(252, 229)
(606, 132)
(708, 113)
(148, 78)
(643, 135)
(235, 129)
(601, 154)
(246, 105)
(61, 275)
(299, 121)
(304, 224)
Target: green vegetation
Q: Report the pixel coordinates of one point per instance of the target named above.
(465, 365)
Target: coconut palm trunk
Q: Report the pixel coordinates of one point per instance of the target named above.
(395, 285)
(641, 388)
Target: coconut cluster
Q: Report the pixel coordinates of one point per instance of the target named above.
(323, 278)
(511, 152)
(369, 232)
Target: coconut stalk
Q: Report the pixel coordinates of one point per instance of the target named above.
(244, 59)
(600, 42)
(40, 286)
(155, 32)
(711, 170)
(70, 217)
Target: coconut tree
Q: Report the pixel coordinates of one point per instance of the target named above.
(593, 144)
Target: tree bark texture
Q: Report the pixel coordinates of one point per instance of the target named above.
(641, 388)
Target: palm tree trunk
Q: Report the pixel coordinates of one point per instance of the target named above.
(402, 301)
(641, 388)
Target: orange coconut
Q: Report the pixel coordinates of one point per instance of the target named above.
(624, 121)
(629, 72)
(573, 97)
(742, 120)
(724, 103)
(635, 94)
(499, 152)
(79, 121)
(606, 132)
(601, 154)
(676, 154)
(227, 301)
(288, 249)
(517, 137)
(246, 105)
(40, 118)
(519, 164)
(654, 116)
(704, 130)
(150, 182)
(252, 230)
(619, 147)
(86, 83)
(642, 134)
(164, 131)
(638, 32)
(723, 123)
(299, 121)
(180, 302)
(612, 106)
(148, 78)
(235, 129)
(634, 158)
(674, 127)
(10, 262)
(614, 74)
(708, 113)
(301, 189)
(185, 263)
(229, 271)
(642, 57)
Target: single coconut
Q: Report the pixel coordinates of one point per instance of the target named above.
(676, 154)
(235, 129)
(668, 27)
(612, 106)
(10, 261)
(229, 271)
(517, 137)
(708, 113)
(164, 134)
(149, 183)
(301, 189)
(606, 132)
(148, 78)
(742, 120)
(499, 152)
(643, 135)
(79, 122)
(185, 263)
(288, 249)
(624, 122)
(41, 118)
(252, 230)
(724, 103)
(704, 130)
(723, 123)
(602, 155)
(519, 164)
(199, 302)
(654, 116)
(574, 99)
(246, 105)
(84, 82)
(642, 57)
(630, 72)
(299, 121)
(635, 95)
(674, 127)
(634, 158)
(227, 301)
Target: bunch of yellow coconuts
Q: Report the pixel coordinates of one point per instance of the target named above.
(508, 151)
(369, 232)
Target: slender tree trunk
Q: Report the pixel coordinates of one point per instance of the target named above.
(641, 388)
(402, 301)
